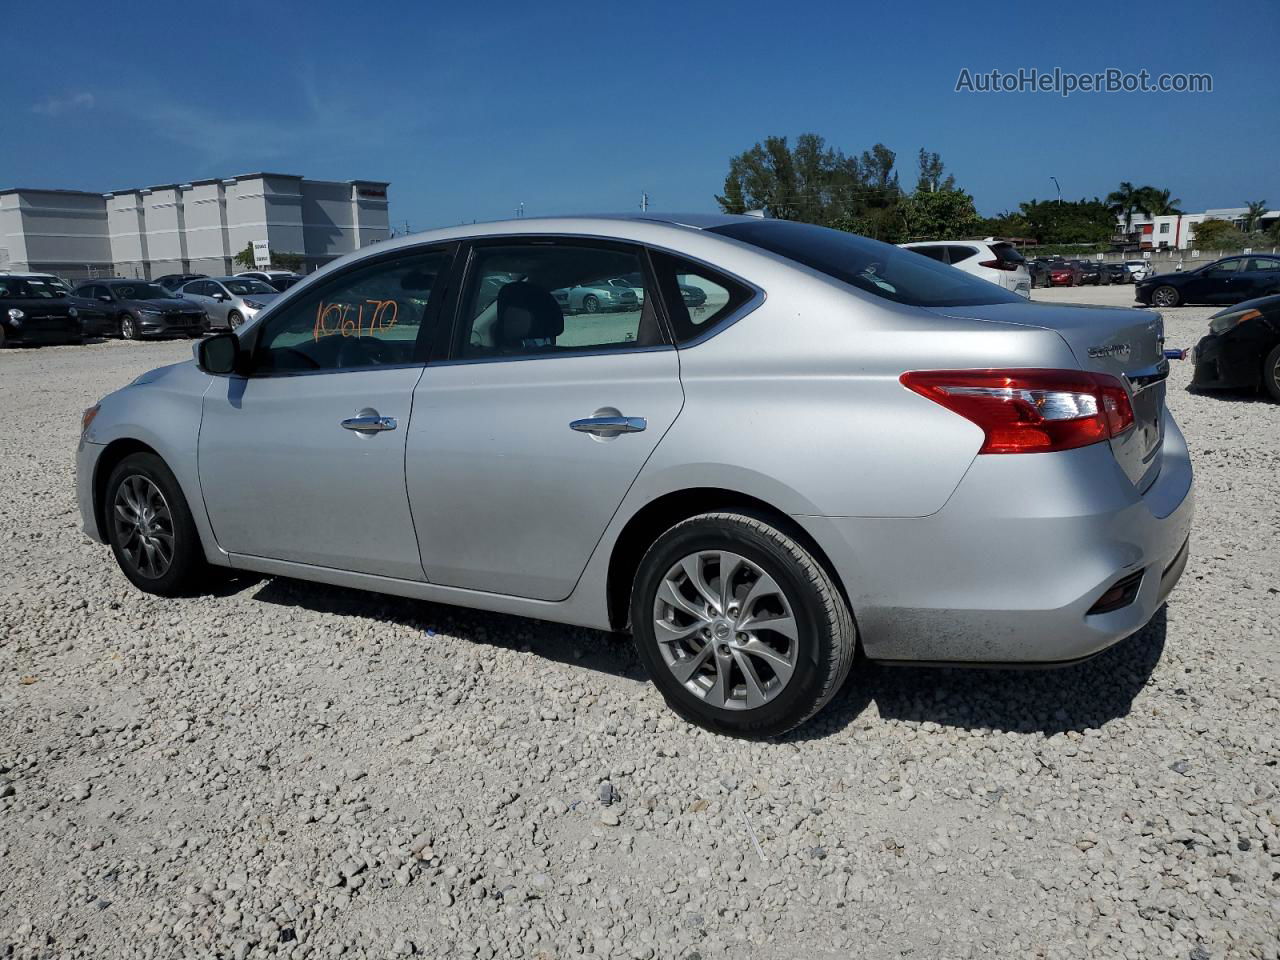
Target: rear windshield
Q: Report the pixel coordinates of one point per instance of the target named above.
(1007, 252)
(902, 276)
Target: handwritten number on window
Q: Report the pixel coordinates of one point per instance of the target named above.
(355, 319)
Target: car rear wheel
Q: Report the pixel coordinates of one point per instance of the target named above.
(128, 327)
(1165, 296)
(1271, 373)
(742, 630)
(591, 303)
(149, 526)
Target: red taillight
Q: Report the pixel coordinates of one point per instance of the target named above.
(999, 264)
(1030, 411)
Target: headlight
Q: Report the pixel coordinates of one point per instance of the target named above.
(86, 418)
(1229, 321)
(151, 313)
(254, 304)
(15, 315)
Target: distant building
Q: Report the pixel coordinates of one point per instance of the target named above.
(1177, 231)
(192, 227)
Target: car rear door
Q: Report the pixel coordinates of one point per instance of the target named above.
(301, 459)
(525, 441)
(1261, 277)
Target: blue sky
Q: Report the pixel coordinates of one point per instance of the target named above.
(470, 109)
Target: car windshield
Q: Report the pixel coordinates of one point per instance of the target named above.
(873, 267)
(243, 287)
(140, 291)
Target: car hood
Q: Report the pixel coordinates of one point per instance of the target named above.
(169, 303)
(1270, 304)
(260, 297)
(172, 374)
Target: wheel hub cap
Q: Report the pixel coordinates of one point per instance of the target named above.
(726, 629)
(143, 526)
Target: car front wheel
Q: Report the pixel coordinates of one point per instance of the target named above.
(1271, 373)
(149, 526)
(128, 327)
(740, 627)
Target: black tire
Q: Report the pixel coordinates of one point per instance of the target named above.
(129, 327)
(826, 637)
(1174, 297)
(187, 564)
(1271, 373)
(4, 339)
(234, 319)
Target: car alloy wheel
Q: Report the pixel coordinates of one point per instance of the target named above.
(725, 630)
(591, 303)
(1271, 373)
(143, 526)
(234, 319)
(1165, 297)
(129, 328)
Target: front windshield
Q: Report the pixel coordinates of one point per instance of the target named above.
(243, 287)
(140, 291)
(29, 288)
(893, 273)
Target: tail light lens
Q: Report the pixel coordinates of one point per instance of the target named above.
(1030, 411)
(999, 264)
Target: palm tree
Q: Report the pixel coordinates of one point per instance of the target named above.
(1257, 210)
(1160, 204)
(1127, 201)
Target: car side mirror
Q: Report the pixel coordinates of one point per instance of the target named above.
(105, 299)
(220, 297)
(219, 354)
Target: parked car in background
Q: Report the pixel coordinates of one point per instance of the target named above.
(228, 301)
(1137, 270)
(278, 280)
(139, 308)
(969, 478)
(1091, 273)
(1229, 280)
(596, 296)
(997, 261)
(174, 281)
(35, 310)
(1115, 272)
(1066, 273)
(1242, 349)
(632, 282)
(1038, 270)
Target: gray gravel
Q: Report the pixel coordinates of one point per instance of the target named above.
(296, 770)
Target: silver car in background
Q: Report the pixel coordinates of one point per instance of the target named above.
(228, 301)
(848, 445)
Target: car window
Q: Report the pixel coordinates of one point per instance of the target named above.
(1007, 253)
(11, 288)
(369, 315)
(1225, 266)
(539, 298)
(698, 298)
(959, 254)
(140, 291)
(933, 253)
(244, 287)
(1264, 263)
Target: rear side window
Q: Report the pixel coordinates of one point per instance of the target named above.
(959, 254)
(872, 267)
(933, 253)
(698, 298)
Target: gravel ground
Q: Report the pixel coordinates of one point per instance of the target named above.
(306, 771)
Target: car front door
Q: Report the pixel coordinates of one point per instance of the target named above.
(525, 441)
(302, 457)
(1220, 283)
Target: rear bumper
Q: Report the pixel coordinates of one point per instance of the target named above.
(1009, 569)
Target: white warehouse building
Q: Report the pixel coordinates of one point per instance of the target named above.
(195, 227)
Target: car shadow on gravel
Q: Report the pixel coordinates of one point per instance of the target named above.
(1075, 698)
(576, 646)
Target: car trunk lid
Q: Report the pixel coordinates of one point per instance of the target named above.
(1127, 344)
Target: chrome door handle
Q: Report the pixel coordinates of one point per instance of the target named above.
(369, 424)
(609, 425)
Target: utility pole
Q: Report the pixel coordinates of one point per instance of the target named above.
(520, 210)
(1055, 183)
(644, 201)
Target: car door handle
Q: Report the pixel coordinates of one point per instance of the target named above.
(609, 425)
(369, 424)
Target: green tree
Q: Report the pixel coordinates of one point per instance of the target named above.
(288, 261)
(813, 182)
(940, 215)
(931, 173)
(1160, 203)
(1127, 201)
(1070, 222)
(1257, 208)
(1218, 235)
(245, 257)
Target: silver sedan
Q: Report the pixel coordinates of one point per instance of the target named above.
(848, 446)
(228, 301)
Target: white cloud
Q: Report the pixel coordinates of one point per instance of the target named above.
(55, 106)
